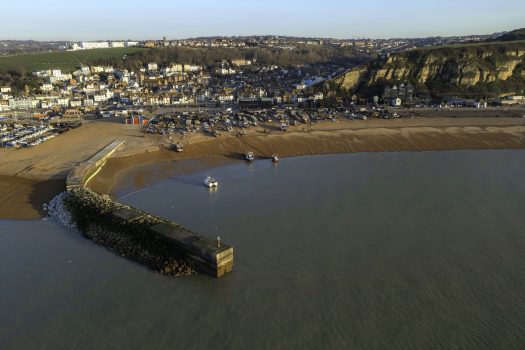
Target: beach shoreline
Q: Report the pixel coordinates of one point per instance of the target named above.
(30, 178)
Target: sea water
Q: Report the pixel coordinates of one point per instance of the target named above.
(358, 251)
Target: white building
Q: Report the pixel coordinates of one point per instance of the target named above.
(177, 67)
(63, 102)
(89, 45)
(56, 79)
(117, 44)
(100, 98)
(97, 69)
(75, 103)
(131, 43)
(72, 47)
(192, 68)
(226, 97)
(318, 96)
(396, 102)
(152, 66)
(23, 103)
(224, 71)
(46, 87)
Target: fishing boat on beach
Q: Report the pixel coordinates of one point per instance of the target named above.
(210, 182)
(249, 156)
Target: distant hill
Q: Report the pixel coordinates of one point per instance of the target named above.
(469, 70)
(518, 34)
(67, 60)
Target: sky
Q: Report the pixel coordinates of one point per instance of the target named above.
(75, 20)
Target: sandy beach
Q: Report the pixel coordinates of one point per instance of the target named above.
(31, 177)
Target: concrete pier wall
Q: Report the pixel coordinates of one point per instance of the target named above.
(161, 244)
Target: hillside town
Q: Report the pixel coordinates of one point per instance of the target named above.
(8, 47)
(235, 95)
(235, 82)
(28, 119)
(229, 95)
(240, 81)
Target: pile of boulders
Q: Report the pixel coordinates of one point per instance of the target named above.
(57, 210)
(93, 215)
(124, 246)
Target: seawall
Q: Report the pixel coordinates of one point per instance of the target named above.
(160, 244)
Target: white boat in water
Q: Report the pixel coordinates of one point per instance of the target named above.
(249, 156)
(275, 158)
(210, 182)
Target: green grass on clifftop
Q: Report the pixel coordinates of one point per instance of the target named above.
(68, 61)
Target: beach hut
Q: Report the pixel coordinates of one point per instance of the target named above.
(137, 120)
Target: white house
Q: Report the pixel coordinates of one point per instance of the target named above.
(318, 96)
(75, 103)
(226, 97)
(396, 102)
(46, 87)
(100, 98)
(63, 102)
(224, 71)
(192, 68)
(152, 66)
(176, 67)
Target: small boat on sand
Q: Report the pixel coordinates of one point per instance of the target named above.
(249, 156)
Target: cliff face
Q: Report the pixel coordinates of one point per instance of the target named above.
(460, 66)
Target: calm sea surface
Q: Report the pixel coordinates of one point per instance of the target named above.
(358, 251)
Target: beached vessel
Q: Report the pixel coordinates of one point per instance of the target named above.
(210, 182)
(249, 156)
(179, 147)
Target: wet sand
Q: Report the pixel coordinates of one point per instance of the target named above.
(22, 199)
(30, 177)
(128, 174)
